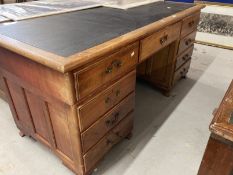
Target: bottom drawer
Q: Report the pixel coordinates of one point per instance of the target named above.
(184, 57)
(96, 153)
(93, 134)
(180, 73)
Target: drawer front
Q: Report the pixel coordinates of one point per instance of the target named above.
(99, 105)
(93, 156)
(180, 73)
(93, 134)
(97, 75)
(186, 42)
(158, 40)
(190, 24)
(184, 57)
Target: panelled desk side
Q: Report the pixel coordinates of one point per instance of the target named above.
(82, 106)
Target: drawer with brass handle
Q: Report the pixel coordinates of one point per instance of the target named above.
(184, 57)
(93, 134)
(114, 64)
(187, 42)
(96, 153)
(93, 109)
(106, 70)
(190, 24)
(163, 39)
(181, 72)
(159, 40)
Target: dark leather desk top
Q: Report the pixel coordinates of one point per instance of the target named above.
(70, 33)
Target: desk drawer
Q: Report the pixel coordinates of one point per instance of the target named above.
(184, 57)
(106, 70)
(96, 153)
(99, 105)
(186, 42)
(93, 134)
(190, 24)
(180, 73)
(158, 40)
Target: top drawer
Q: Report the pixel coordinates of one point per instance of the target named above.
(190, 24)
(158, 40)
(96, 75)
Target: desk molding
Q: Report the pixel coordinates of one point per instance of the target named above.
(76, 61)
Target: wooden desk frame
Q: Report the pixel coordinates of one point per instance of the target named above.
(48, 102)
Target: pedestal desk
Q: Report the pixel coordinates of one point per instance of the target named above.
(70, 78)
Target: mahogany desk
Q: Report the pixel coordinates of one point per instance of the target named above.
(70, 78)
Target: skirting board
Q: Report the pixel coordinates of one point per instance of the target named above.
(214, 40)
(215, 27)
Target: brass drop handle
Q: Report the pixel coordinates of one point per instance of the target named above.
(186, 57)
(108, 69)
(187, 42)
(117, 63)
(107, 100)
(113, 121)
(163, 40)
(183, 71)
(191, 23)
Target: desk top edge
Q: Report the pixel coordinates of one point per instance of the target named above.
(217, 127)
(66, 64)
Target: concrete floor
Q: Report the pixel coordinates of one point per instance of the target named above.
(170, 134)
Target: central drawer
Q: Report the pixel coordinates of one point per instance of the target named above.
(106, 70)
(93, 134)
(92, 110)
(159, 40)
